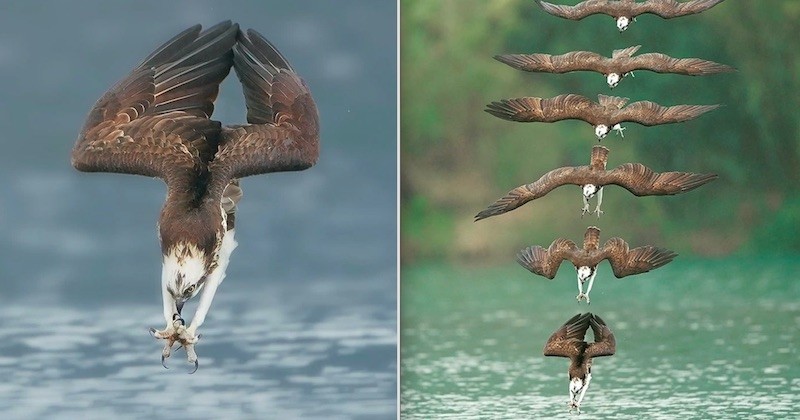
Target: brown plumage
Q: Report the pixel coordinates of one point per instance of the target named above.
(634, 177)
(568, 341)
(615, 68)
(155, 122)
(604, 115)
(624, 261)
(628, 9)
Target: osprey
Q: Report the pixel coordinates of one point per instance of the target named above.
(568, 341)
(156, 122)
(634, 177)
(621, 64)
(625, 11)
(624, 261)
(605, 115)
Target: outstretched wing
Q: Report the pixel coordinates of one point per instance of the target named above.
(662, 63)
(564, 63)
(641, 180)
(604, 342)
(577, 12)
(670, 8)
(650, 113)
(283, 129)
(626, 262)
(545, 263)
(155, 121)
(567, 341)
(532, 109)
(525, 193)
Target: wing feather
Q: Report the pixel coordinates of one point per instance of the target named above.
(650, 113)
(626, 262)
(668, 9)
(577, 12)
(662, 63)
(604, 342)
(533, 109)
(641, 180)
(564, 63)
(567, 341)
(545, 263)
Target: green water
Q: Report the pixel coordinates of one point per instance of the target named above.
(695, 339)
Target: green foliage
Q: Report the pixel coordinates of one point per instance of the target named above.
(456, 158)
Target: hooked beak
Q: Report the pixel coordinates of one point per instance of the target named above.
(179, 305)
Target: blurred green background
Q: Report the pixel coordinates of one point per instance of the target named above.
(456, 159)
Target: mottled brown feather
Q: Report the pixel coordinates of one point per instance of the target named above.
(604, 342)
(664, 8)
(567, 341)
(545, 263)
(626, 262)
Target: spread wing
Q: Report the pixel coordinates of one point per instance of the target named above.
(525, 193)
(650, 113)
(155, 121)
(626, 262)
(567, 341)
(662, 63)
(532, 109)
(670, 8)
(641, 180)
(604, 342)
(283, 129)
(545, 263)
(577, 12)
(564, 63)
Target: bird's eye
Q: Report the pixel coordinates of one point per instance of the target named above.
(190, 289)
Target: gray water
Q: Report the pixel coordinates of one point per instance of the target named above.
(304, 325)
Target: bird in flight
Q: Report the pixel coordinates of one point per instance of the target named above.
(634, 177)
(625, 11)
(605, 115)
(621, 64)
(156, 122)
(624, 261)
(568, 341)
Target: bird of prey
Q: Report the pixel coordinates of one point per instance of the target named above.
(568, 341)
(605, 115)
(624, 261)
(634, 177)
(621, 64)
(156, 122)
(625, 11)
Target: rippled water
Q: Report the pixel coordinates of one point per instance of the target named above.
(695, 339)
(304, 325)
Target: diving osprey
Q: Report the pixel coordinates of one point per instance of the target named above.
(568, 341)
(634, 177)
(625, 11)
(624, 261)
(621, 64)
(605, 115)
(155, 122)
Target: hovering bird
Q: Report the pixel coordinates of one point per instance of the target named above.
(625, 11)
(624, 261)
(156, 122)
(620, 65)
(605, 115)
(634, 177)
(568, 341)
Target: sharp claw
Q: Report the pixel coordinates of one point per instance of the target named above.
(152, 332)
(196, 365)
(163, 361)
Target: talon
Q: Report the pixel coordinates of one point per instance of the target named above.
(164, 361)
(196, 365)
(153, 332)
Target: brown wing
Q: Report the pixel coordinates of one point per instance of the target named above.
(532, 109)
(604, 342)
(641, 180)
(564, 63)
(545, 263)
(525, 193)
(155, 121)
(567, 341)
(283, 130)
(650, 113)
(627, 262)
(670, 8)
(577, 12)
(662, 63)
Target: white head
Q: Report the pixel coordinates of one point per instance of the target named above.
(600, 131)
(584, 272)
(622, 23)
(183, 273)
(613, 80)
(589, 190)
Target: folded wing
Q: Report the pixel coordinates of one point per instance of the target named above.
(627, 262)
(567, 341)
(543, 262)
(604, 342)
